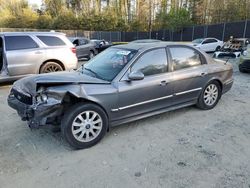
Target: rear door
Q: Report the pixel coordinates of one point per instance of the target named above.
(150, 94)
(189, 73)
(22, 54)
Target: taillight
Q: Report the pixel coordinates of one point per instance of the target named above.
(73, 50)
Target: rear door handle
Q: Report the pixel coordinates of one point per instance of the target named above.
(163, 83)
(203, 74)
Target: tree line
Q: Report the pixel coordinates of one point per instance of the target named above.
(121, 15)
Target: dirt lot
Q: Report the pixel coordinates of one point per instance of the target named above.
(186, 148)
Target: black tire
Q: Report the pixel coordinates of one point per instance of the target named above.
(242, 70)
(202, 101)
(91, 55)
(217, 48)
(51, 67)
(71, 116)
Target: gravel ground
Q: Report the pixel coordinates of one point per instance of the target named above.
(185, 148)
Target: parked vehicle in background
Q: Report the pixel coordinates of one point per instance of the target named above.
(146, 41)
(84, 47)
(208, 44)
(122, 84)
(244, 64)
(34, 53)
(233, 48)
(101, 45)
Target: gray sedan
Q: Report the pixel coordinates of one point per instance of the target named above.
(84, 47)
(120, 85)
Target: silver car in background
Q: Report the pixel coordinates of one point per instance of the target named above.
(122, 84)
(27, 53)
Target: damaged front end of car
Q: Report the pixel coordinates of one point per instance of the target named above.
(39, 109)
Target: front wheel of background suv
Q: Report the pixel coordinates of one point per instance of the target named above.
(84, 125)
(51, 67)
(209, 96)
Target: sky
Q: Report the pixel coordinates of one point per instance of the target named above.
(38, 2)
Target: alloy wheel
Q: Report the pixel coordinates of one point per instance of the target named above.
(211, 94)
(87, 126)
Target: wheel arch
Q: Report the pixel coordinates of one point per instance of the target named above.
(51, 60)
(216, 80)
(70, 98)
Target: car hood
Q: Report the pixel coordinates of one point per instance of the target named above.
(29, 84)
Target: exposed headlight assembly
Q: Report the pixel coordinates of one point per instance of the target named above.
(41, 96)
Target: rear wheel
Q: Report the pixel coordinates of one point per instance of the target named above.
(210, 96)
(91, 55)
(217, 48)
(84, 125)
(51, 67)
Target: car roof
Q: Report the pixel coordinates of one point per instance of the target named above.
(74, 38)
(146, 46)
(30, 33)
(145, 41)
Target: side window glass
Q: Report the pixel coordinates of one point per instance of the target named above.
(152, 62)
(51, 40)
(19, 43)
(205, 42)
(183, 57)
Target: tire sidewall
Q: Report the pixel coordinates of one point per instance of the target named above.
(201, 102)
(70, 115)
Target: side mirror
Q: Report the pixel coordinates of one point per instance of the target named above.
(136, 75)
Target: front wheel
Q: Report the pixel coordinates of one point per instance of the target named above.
(210, 96)
(84, 125)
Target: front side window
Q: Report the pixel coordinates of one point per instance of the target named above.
(51, 40)
(152, 62)
(19, 43)
(109, 63)
(183, 57)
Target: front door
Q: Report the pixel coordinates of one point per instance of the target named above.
(150, 94)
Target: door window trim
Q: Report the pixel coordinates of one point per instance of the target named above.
(139, 56)
(202, 57)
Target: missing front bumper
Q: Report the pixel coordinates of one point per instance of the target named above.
(36, 115)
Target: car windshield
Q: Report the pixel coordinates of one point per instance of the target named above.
(109, 63)
(197, 41)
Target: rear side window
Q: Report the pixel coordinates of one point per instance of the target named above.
(208, 41)
(183, 57)
(19, 43)
(51, 40)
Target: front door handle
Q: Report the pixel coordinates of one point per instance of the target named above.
(163, 83)
(38, 52)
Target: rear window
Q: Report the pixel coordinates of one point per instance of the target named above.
(51, 40)
(19, 43)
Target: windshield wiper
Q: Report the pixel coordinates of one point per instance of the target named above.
(94, 73)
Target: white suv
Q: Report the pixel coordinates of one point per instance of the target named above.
(33, 53)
